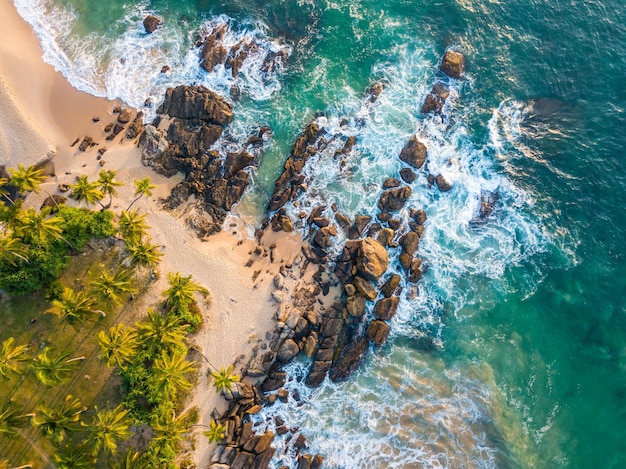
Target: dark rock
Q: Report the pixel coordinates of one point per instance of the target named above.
(213, 51)
(274, 60)
(377, 332)
(63, 187)
(315, 378)
(192, 137)
(349, 360)
(136, 128)
(405, 260)
(243, 460)
(321, 221)
(117, 128)
(435, 99)
(488, 200)
(342, 221)
(360, 223)
(196, 102)
(331, 327)
(431, 180)
(452, 64)
(415, 271)
(407, 175)
(86, 143)
(414, 153)
(385, 236)
(287, 351)
(418, 215)
(125, 116)
(391, 285)
(373, 92)
(108, 127)
(151, 23)
(262, 461)
(95, 119)
(365, 288)
(442, 184)
(322, 237)
(300, 442)
(386, 308)
(53, 201)
(390, 183)
(304, 461)
(165, 68)
(318, 459)
(236, 162)
(409, 242)
(355, 305)
(264, 442)
(394, 199)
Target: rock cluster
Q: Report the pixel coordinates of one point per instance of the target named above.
(197, 117)
(241, 448)
(214, 51)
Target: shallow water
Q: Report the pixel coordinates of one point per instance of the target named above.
(525, 310)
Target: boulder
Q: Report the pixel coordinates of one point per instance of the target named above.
(407, 175)
(151, 23)
(419, 216)
(360, 223)
(409, 242)
(349, 360)
(372, 259)
(386, 308)
(394, 199)
(355, 305)
(452, 64)
(365, 288)
(488, 200)
(304, 461)
(236, 162)
(442, 184)
(86, 143)
(136, 128)
(196, 102)
(53, 201)
(213, 51)
(125, 116)
(390, 183)
(414, 153)
(391, 285)
(287, 351)
(377, 332)
(435, 99)
(385, 236)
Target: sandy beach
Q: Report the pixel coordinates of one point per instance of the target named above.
(41, 115)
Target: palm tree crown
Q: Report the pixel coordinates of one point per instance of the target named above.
(108, 287)
(132, 226)
(86, 191)
(54, 369)
(169, 372)
(107, 184)
(162, 332)
(73, 306)
(11, 417)
(142, 187)
(59, 421)
(224, 378)
(26, 178)
(11, 356)
(119, 345)
(109, 426)
(180, 293)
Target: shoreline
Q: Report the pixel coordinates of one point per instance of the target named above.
(42, 110)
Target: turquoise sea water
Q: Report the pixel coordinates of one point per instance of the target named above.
(513, 351)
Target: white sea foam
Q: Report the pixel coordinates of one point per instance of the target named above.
(129, 66)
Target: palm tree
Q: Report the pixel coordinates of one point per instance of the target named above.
(142, 187)
(11, 417)
(145, 254)
(11, 356)
(54, 369)
(11, 248)
(216, 432)
(26, 178)
(224, 379)
(132, 226)
(74, 456)
(161, 332)
(74, 306)
(118, 345)
(107, 182)
(58, 422)
(169, 431)
(181, 290)
(109, 426)
(109, 288)
(131, 461)
(86, 191)
(3, 192)
(39, 226)
(168, 374)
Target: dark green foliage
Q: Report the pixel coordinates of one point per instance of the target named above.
(54, 291)
(44, 265)
(80, 225)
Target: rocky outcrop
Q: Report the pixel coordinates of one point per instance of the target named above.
(151, 23)
(394, 199)
(452, 64)
(436, 99)
(414, 153)
(372, 259)
(196, 102)
(442, 183)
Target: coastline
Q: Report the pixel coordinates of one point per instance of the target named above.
(42, 115)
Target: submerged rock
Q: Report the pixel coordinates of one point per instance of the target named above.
(435, 99)
(151, 23)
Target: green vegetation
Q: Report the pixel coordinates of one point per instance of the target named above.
(216, 432)
(72, 396)
(224, 379)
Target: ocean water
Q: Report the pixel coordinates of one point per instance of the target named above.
(511, 353)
